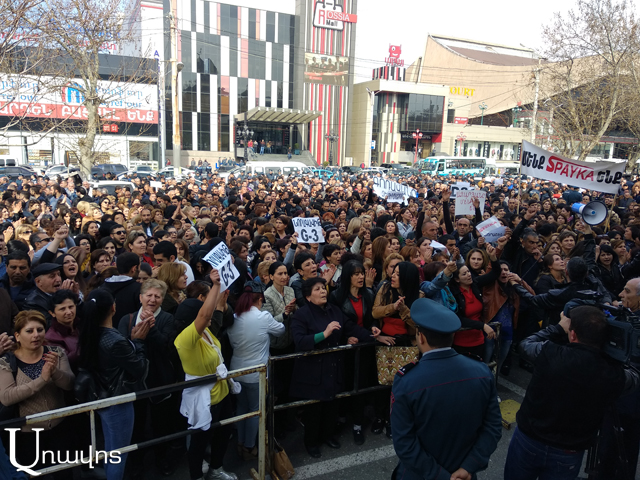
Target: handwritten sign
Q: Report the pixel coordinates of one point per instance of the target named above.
(464, 201)
(491, 229)
(393, 191)
(153, 184)
(220, 258)
(459, 186)
(309, 230)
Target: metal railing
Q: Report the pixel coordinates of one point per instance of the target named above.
(92, 407)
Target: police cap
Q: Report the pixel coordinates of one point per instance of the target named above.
(434, 316)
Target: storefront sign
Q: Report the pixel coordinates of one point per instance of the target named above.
(44, 97)
(393, 60)
(409, 136)
(601, 176)
(461, 120)
(329, 15)
(467, 92)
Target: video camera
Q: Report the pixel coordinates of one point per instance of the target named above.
(623, 332)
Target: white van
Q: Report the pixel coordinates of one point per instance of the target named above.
(276, 168)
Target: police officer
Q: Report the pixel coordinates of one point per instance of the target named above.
(445, 417)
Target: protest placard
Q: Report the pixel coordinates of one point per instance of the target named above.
(464, 201)
(156, 185)
(459, 186)
(393, 191)
(309, 230)
(599, 176)
(220, 258)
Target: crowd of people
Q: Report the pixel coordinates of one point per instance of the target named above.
(115, 287)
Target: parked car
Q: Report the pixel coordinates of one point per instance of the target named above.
(134, 173)
(100, 170)
(110, 186)
(15, 172)
(61, 171)
(322, 173)
(171, 172)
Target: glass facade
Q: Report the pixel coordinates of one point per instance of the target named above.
(422, 112)
(235, 58)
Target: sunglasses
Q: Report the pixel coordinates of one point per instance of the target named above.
(121, 232)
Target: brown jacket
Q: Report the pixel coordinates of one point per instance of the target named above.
(381, 310)
(36, 396)
(493, 297)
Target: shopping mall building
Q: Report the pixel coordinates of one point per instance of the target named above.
(468, 98)
(287, 74)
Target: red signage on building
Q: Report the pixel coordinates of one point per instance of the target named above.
(393, 60)
(330, 15)
(110, 128)
(461, 120)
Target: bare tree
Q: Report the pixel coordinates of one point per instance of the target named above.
(591, 51)
(69, 47)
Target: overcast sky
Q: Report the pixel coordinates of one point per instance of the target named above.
(408, 22)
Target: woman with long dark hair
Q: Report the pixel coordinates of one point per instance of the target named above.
(250, 337)
(355, 298)
(118, 366)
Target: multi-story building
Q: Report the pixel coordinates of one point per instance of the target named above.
(287, 74)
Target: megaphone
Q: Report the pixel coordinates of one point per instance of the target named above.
(593, 213)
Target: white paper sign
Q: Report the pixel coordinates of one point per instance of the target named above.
(393, 191)
(437, 245)
(494, 235)
(599, 176)
(459, 186)
(464, 201)
(488, 225)
(220, 259)
(498, 181)
(309, 230)
(155, 184)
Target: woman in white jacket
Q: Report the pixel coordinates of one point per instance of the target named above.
(249, 337)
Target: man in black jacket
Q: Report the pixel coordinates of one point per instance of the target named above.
(48, 281)
(125, 287)
(573, 384)
(18, 280)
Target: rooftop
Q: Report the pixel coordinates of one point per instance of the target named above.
(491, 53)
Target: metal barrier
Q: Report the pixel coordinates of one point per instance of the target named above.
(91, 407)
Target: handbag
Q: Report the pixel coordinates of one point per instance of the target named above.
(391, 359)
(281, 463)
(86, 388)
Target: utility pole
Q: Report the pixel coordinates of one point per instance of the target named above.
(535, 103)
(175, 105)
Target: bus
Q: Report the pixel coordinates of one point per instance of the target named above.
(453, 165)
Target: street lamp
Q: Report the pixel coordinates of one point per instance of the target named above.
(460, 138)
(483, 106)
(246, 134)
(331, 137)
(417, 135)
(176, 67)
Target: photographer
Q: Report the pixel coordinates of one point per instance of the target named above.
(628, 413)
(573, 384)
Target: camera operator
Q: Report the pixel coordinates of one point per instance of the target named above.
(573, 384)
(628, 411)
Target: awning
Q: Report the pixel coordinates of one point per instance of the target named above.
(278, 115)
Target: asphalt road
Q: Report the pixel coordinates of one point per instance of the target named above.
(375, 460)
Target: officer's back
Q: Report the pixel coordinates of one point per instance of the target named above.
(444, 414)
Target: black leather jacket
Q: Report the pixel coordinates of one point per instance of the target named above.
(122, 365)
(41, 302)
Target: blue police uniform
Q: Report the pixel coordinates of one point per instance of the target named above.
(444, 408)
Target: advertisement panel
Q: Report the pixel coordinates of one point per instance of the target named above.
(44, 97)
(328, 14)
(327, 69)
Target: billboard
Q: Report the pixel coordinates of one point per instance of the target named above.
(47, 97)
(328, 14)
(326, 69)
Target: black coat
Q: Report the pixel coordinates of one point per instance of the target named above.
(367, 307)
(572, 386)
(320, 377)
(478, 284)
(41, 302)
(164, 365)
(126, 294)
(25, 290)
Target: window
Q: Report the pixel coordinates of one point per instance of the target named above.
(271, 26)
(464, 163)
(189, 92)
(187, 131)
(451, 115)
(223, 142)
(204, 132)
(205, 93)
(243, 95)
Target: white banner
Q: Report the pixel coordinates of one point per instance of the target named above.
(220, 258)
(392, 191)
(599, 176)
(464, 201)
(309, 230)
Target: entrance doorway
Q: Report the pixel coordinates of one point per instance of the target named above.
(275, 135)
